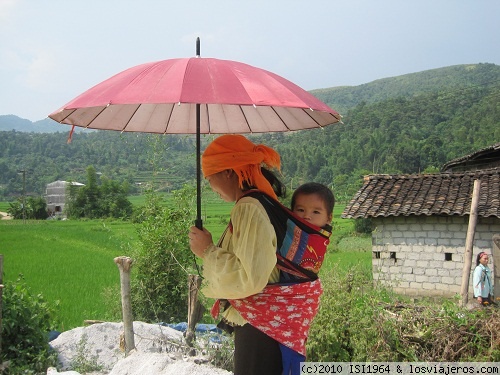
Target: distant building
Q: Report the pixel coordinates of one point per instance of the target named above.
(55, 196)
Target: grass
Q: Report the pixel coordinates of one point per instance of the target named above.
(72, 261)
(66, 261)
(4, 206)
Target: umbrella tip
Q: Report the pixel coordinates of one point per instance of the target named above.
(198, 47)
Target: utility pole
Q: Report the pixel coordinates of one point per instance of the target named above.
(23, 171)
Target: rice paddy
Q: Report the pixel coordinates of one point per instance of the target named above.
(71, 262)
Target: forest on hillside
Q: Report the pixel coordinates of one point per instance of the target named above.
(408, 124)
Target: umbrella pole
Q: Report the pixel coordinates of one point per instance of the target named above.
(198, 222)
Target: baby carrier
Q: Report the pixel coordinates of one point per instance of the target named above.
(301, 245)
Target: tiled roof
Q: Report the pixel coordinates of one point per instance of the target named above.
(428, 194)
(488, 157)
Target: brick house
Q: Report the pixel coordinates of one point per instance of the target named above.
(421, 224)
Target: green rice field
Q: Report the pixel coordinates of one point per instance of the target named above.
(66, 261)
(72, 261)
(4, 206)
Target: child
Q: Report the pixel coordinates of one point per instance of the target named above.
(314, 203)
(482, 280)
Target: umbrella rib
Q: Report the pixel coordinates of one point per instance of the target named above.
(284, 123)
(65, 117)
(312, 118)
(208, 118)
(96, 116)
(130, 118)
(169, 117)
(246, 120)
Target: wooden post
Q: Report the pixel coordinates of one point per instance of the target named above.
(195, 308)
(464, 292)
(1, 298)
(124, 264)
(496, 266)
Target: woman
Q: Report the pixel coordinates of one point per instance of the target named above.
(244, 260)
(481, 280)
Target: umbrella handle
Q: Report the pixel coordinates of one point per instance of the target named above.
(198, 223)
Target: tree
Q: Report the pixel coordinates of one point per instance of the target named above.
(94, 201)
(26, 321)
(35, 208)
(163, 261)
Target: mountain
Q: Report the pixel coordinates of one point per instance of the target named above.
(447, 80)
(12, 122)
(342, 98)
(408, 124)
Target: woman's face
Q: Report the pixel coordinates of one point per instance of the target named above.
(225, 184)
(484, 260)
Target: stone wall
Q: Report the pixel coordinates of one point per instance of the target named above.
(424, 255)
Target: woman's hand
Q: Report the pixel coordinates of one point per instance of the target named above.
(199, 240)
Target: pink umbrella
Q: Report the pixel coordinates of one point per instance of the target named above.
(198, 96)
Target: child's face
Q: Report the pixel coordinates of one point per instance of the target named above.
(312, 208)
(484, 260)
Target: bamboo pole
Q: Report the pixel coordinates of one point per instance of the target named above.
(464, 293)
(1, 299)
(496, 266)
(195, 308)
(124, 264)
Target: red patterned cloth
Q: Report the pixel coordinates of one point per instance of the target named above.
(283, 312)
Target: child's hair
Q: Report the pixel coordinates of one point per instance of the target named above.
(315, 188)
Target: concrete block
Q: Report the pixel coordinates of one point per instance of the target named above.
(422, 263)
(448, 280)
(431, 240)
(419, 270)
(431, 272)
(443, 272)
(408, 277)
(444, 241)
(421, 278)
(429, 286)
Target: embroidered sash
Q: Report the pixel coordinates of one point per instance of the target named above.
(283, 312)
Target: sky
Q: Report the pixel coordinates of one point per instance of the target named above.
(53, 50)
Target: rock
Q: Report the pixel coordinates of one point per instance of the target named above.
(161, 364)
(53, 371)
(160, 350)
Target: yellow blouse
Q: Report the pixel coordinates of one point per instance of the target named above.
(245, 262)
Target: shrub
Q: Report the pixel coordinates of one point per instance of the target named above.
(362, 225)
(361, 323)
(27, 321)
(347, 325)
(163, 261)
(35, 208)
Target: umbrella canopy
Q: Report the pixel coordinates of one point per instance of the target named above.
(196, 96)
(161, 97)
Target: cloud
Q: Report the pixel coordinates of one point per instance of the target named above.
(6, 9)
(32, 69)
(40, 68)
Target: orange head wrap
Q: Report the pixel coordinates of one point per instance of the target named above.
(242, 156)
